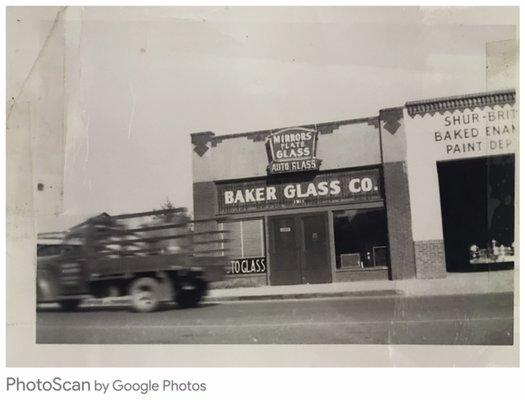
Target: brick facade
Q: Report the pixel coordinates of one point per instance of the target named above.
(204, 200)
(397, 200)
(372, 274)
(430, 259)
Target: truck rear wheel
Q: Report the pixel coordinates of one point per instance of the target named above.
(144, 294)
(191, 293)
(69, 305)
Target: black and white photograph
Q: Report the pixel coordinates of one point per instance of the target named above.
(262, 176)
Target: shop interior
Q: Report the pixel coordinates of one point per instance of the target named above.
(361, 239)
(477, 206)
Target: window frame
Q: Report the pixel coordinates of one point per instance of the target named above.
(242, 221)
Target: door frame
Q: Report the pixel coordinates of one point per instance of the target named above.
(297, 217)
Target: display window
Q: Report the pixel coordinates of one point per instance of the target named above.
(361, 239)
(246, 238)
(477, 206)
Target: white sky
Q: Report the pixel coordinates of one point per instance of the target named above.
(152, 76)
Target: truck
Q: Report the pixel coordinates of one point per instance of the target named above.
(151, 258)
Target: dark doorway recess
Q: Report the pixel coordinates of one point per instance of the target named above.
(477, 207)
(299, 249)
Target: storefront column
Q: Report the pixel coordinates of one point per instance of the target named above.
(267, 249)
(331, 243)
(397, 196)
(397, 201)
(427, 227)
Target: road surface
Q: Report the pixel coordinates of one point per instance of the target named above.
(466, 319)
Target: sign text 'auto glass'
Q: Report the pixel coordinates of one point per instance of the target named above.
(247, 266)
(292, 150)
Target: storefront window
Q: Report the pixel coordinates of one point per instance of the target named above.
(361, 239)
(477, 207)
(246, 238)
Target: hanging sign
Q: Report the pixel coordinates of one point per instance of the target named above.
(292, 150)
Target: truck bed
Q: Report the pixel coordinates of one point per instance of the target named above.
(213, 267)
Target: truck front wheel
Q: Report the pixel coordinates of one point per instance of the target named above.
(144, 294)
(191, 293)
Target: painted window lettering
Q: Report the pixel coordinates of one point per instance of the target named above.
(245, 266)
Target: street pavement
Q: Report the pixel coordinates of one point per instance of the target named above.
(476, 319)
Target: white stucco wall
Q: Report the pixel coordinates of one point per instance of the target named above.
(349, 145)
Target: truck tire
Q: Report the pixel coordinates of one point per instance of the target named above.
(69, 305)
(144, 294)
(188, 298)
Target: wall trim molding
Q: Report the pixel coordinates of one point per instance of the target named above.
(461, 103)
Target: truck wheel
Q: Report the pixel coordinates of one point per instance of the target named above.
(144, 294)
(69, 305)
(190, 297)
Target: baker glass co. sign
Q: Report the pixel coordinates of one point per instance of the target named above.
(280, 193)
(292, 150)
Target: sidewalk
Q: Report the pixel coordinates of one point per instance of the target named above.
(454, 283)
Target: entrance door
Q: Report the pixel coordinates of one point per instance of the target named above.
(284, 262)
(299, 250)
(315, 265)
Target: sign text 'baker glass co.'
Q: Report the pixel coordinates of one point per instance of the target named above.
(292, 150)
(280, 193)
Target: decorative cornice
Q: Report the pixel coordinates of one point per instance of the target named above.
(373, 121)
(325, 129)
(391, 118)
(461, 103)
(258, 136)
(200, 142)
(203, 141)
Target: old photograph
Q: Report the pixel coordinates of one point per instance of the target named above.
(263, 175)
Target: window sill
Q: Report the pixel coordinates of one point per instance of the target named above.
(359, 269)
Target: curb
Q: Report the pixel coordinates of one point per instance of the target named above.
(285, 296)
(302, 296)
(89, 303)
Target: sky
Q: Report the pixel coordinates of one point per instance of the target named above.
(151, 76)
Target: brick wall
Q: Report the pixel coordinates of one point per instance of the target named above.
(204, 200)
(364, 274)
(240, 281)
(430, 259)
(397, 200)
(204, 207)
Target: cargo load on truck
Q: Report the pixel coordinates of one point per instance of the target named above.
(151, 257)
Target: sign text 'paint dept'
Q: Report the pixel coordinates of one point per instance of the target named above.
(483, 132)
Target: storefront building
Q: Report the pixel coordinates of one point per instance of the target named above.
(461, 172)
(355, 199)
